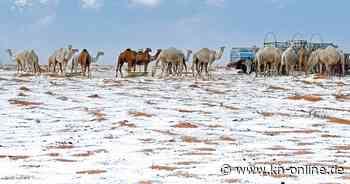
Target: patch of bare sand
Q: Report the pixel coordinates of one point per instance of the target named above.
(232, 180)
(147, 182)
(23, 88)
(15, 157)
(185, 125)
(278, 88)
(99, 116)
(190, 139)
(163, 168)
(197, 153)
(339, 121)
(184, 174)
(310, 98)
(165, 132)
(124, 123)
(301, 131)
(90, 172)
(186, 163)
(65, 160)
(140, 114)
(62, 146)
(24, 103)
(342, 98)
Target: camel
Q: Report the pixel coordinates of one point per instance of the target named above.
(24, 60)
(216, 55)
(268, 56)
(61, 56)
(75, 59)
(289, 60)
(204, 58)
(134, 58)
(171, 56)
(328, 57)
(312, 61)
(186, 59)
(143, 58)
(19, 62)
(34, 61)
(84, 61)
(303, 54)
(127, 56)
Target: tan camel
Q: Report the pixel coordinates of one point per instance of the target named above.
(174, 69)
(61, 56)
(268, 56)
(329, 57)
(171, 56)
(25, 61)
(203, 59)
(20, 64)
(289, 60)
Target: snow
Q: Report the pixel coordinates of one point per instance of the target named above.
(125, 132)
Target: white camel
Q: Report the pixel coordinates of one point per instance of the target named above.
(215, 55)
(33, 61)
(61, 56)
(329, 57)
(19, 63)
(289, 60)
(204, 58)
(185, 59)
(75, 62)
(268, 56)
(312, 61)
(171, 56)
(25, 60)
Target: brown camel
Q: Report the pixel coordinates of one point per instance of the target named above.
(85, 61)
(143, 58)
(134, 58)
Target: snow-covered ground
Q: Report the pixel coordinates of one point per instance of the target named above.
(148, 130)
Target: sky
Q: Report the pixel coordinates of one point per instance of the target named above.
(114, 25)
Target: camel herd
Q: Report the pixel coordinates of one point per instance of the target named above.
(273, 60)
(173, 61)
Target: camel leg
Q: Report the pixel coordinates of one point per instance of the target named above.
(88, 68)
(116, 70)
(120, 69)
(197, 69)
(130, 66)
(184, 64)
(61, 69)
(84, 69)
(72, 69)
(54, 67)
(206, 70)
(145, 67)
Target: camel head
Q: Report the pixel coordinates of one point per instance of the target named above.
(75, 51)
(9, 51)
(100, 53)
(221, 52)
(147, 50)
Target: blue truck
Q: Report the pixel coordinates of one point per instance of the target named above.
(242, 58)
